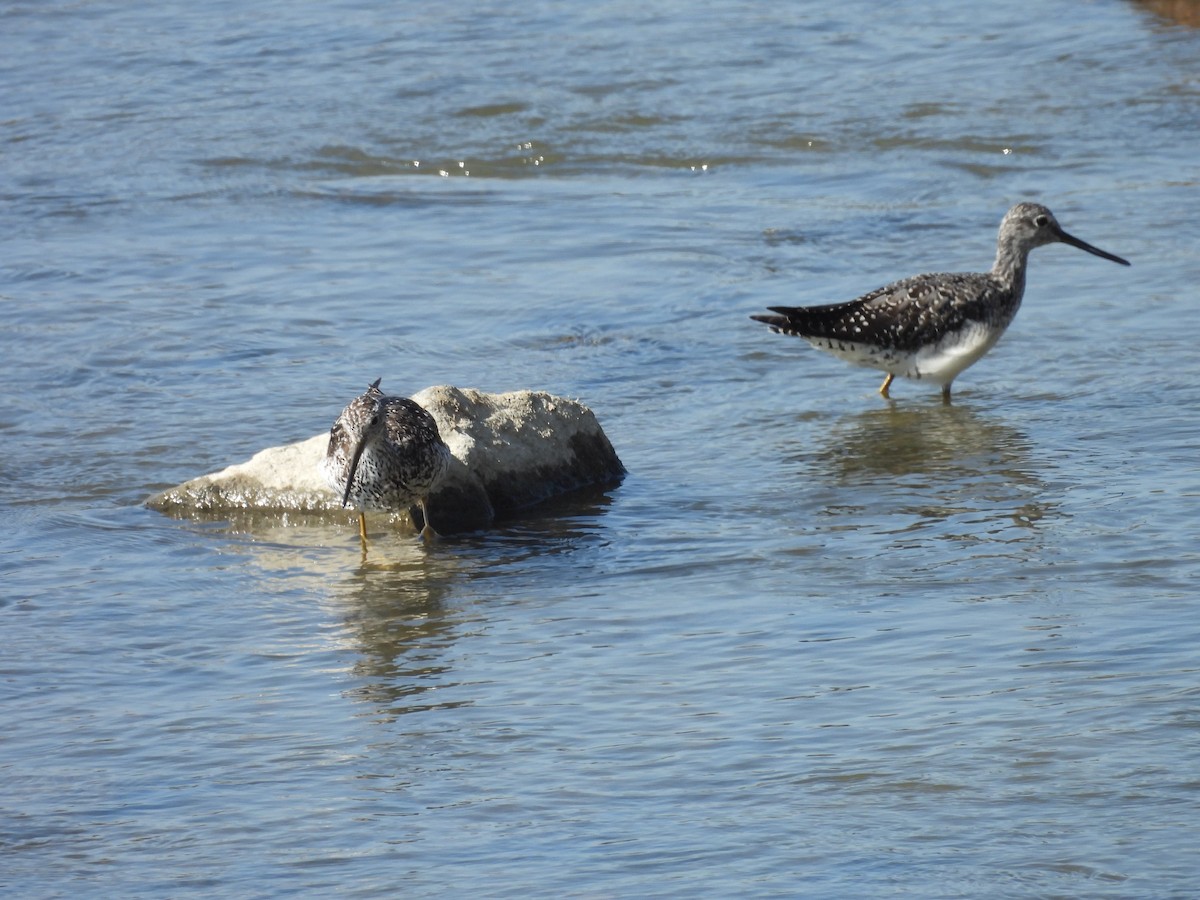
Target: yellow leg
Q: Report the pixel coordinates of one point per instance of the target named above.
(427, 533)
(362, 527)
(887, 383)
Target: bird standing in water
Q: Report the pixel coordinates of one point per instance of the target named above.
(932, 326)
(385, 453)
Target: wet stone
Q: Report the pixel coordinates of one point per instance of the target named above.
(510, 452)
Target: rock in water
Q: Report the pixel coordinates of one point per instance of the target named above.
(510, 452)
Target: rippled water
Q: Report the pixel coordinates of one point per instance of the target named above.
(817, 644)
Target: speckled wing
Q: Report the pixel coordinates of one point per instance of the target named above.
(903, 316)
(409, 424)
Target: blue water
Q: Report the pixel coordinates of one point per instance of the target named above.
(816, 644)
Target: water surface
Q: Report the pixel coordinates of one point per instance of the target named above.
(816, 644)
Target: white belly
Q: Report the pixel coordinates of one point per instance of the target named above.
(940, 363)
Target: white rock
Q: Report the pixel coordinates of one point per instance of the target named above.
(511, 451)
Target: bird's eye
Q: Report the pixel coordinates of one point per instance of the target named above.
(1041, 221)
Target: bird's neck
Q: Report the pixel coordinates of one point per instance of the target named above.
(1009, 267)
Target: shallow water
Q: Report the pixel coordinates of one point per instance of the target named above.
(816, 643)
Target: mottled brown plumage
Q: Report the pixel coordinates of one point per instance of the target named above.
(932, 326)
(385, 453)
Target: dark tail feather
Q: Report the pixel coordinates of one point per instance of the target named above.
(773, 321)
(791, 320)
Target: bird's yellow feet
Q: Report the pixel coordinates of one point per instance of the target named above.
(428, 535)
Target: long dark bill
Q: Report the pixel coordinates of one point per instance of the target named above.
(1084, 245)
(352, 469)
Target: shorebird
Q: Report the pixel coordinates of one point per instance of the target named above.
(385, 453)
(932, 326)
